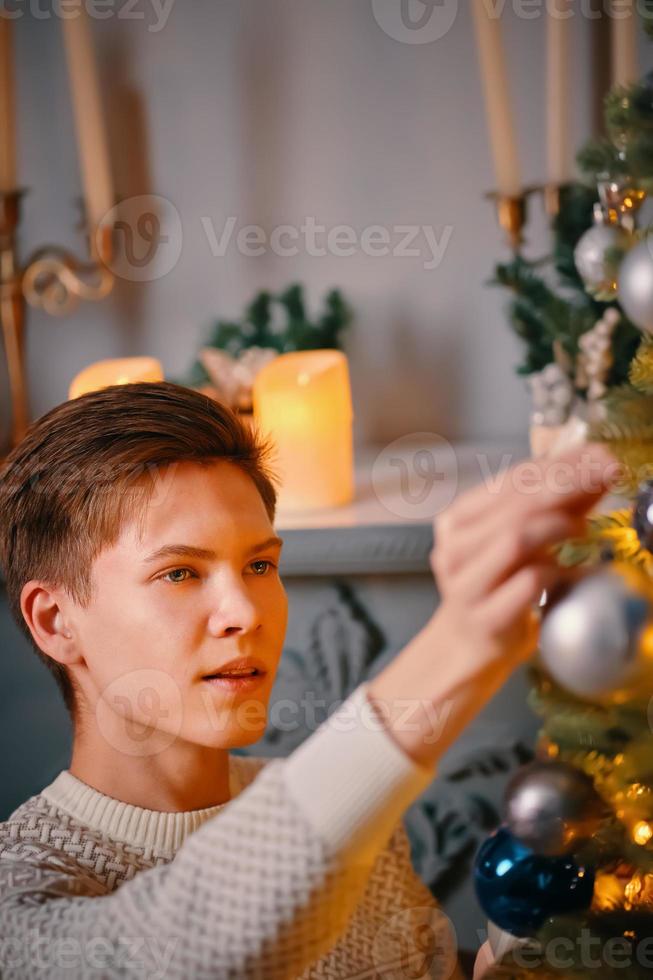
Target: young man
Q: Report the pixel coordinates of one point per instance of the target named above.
(137, 542)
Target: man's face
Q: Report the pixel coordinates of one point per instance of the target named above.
(158, 624)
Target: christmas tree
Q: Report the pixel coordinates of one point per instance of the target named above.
(569, 875)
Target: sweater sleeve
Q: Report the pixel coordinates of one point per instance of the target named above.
(261, 890)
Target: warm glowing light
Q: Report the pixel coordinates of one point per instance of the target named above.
(608, 892)
(642, 832)
(115, 371)
(303, 401)
(636, 790)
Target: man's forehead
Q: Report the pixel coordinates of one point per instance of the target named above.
(222, 480)
(181, 475)
(190, 498)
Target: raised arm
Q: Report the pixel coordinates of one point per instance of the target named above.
(492, 558)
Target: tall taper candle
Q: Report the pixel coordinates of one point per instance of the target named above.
(7, 109)
(559, 21)
(87, 106)
(623, 25)
(497, 97)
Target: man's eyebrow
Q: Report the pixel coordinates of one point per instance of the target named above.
(190, 551)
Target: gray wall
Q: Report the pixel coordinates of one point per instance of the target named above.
(274, 111)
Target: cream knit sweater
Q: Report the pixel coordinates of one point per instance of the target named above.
(304, 872)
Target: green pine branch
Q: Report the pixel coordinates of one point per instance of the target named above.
(279, 321)
(629, 147)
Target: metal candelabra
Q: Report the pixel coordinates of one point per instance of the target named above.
(53, 280)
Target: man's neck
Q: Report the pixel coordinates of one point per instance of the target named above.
(181, 777)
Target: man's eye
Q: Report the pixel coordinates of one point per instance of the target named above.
(174, 572)
(262, 561)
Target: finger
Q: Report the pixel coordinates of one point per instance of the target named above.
(470, 543)
(527, 544)
(574, 480)
(484, 960)
(514, 604)
(520, 643)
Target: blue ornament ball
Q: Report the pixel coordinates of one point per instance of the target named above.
(519, 890)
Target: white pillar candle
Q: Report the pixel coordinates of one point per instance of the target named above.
(494, 79)
(625, 63)
(115, 371)
(7, 109)
(559, 155)
(303, 401)
(87, 107)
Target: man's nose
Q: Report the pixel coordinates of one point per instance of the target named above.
(234, 610)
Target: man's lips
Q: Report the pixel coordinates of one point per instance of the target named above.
(243, 667)
(234, 675)
(235, 682)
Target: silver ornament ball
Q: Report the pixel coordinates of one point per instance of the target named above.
(590, 640)
(597, 273)
(552, 807)
(635, 284)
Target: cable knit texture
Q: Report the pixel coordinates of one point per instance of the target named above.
(265, 886)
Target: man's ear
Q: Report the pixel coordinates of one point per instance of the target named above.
(43, 609)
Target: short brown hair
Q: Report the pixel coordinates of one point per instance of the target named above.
(69, 486)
